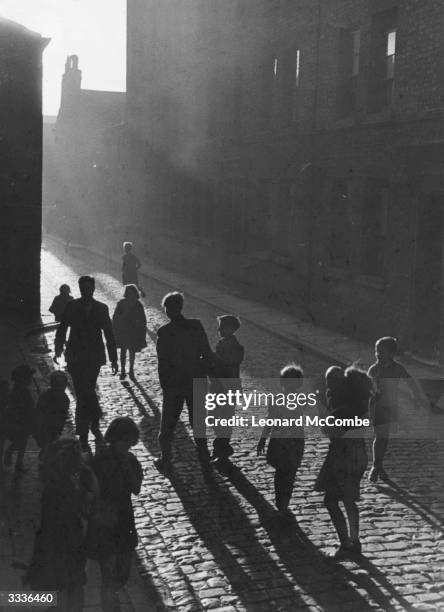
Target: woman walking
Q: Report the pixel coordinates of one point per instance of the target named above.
(129, 323)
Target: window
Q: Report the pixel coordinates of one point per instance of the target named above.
(286, 80)
(340, 225)
(382, 61)
(390, 64)
(374, 227)
(348, 72)
(297, 72)
(356, 50)
(268, 80)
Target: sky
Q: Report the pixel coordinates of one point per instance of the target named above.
(95, 30)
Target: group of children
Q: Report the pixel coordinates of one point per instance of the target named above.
(87, 512)
(20, 417)
(100, 491)
(349, 393)
(78, 491)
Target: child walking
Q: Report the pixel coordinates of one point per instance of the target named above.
(69, 493)
(228, 356)
(60, 301)
(129, 323)
(347, 395)
(112, 535)
(19, 416)
(52, 411)
(130, 267)
(285, 448)
(386, 374)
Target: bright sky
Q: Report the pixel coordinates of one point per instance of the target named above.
(95, 30)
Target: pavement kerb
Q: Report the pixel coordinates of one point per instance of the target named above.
(361, 354)
(298, 342)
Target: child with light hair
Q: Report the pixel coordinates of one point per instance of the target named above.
(130, 267)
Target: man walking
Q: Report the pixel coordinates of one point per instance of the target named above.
(183, 354)
(85, 354)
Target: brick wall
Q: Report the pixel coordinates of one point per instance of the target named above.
(249, 153)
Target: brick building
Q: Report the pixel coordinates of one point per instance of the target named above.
(296, 148)
(84, 161)
(21, 169)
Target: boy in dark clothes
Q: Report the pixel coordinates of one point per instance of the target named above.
(130, 267)
(112, 534)
(286, 446)
(60, 301)
(228, 356)
(19, 415)
(52, 410)
(386, 374)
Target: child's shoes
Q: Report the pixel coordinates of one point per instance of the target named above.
(347, 550)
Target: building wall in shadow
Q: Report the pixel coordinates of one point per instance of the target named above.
(293, 148)
(84, 162)
(21, 169)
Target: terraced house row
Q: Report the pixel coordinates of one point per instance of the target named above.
(295, 148)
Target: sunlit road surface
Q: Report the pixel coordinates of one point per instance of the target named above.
(210, 541)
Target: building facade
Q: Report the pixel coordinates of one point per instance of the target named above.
(296, 149)
(21, 171)
(84, 162)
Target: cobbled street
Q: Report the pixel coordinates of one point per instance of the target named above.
(211, 541)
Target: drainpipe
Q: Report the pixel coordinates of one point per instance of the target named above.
(313, 203)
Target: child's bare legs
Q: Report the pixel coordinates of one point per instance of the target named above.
(123, 362)
(338, 520)
(353, 521)
(348, 536)
(380, 444)
(132, 357)
(19, 445)
(283, 488)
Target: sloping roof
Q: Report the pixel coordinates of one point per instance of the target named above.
(102, 108)
(7, 25)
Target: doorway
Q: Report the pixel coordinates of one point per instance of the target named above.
(428, 279)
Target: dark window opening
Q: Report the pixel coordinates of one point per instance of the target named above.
(348, 72)
(382, 61)
(374, 227)
(340, 226)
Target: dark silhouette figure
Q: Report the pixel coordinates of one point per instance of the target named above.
(348, 395)
(130, 267)
(60, 301)
(386, 374)
(19, 419)
(129, 324)
(285, 449)
(183, 354)
(52, 411)
(112, 535)
(85, 354)
(228, 356)
(59, 557)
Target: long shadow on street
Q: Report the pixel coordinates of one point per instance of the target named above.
(231, 536)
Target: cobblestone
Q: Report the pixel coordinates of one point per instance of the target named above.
(213, 541)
